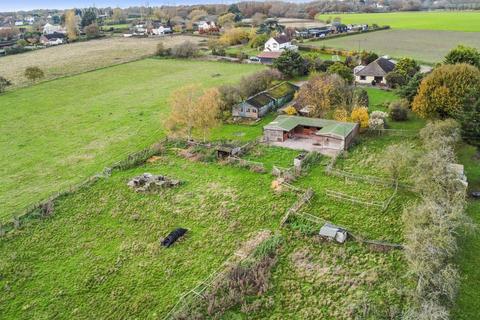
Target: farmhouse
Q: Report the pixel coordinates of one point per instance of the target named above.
(279, 44)
(375, 72)
(258, 105)
(310, 134)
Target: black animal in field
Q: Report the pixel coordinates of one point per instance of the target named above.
(173, 236)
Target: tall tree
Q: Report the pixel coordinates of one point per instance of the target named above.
(89, 17)
(71, 25)
(207, 112)
(181, 121)
(325, 93)
(447, 91)
(291, 64)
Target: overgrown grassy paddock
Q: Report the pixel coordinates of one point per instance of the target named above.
(99, 254)
(58, 133)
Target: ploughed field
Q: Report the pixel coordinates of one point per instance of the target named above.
(466, 21)
(60, 132)
(428, 46)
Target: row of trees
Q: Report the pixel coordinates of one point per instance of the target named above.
(433, 223)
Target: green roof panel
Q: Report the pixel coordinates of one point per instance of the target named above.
(332, 127)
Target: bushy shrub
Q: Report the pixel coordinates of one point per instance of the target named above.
(186, 49)
(290, 110)
(161, 51)
(376, 123)
(342, 70)
(360, 98)
(398, 110)
(34, 73)
(360, 115)
(395, 79)
(4, 83)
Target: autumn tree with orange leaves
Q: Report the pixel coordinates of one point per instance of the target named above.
(193, 110)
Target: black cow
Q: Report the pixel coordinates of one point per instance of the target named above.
(173, 236)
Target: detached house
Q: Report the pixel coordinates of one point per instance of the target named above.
(279, 44)
(260, 104)
(375, 72)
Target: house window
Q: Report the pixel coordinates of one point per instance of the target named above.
(254, 110)
(363, 78)
(248, 109)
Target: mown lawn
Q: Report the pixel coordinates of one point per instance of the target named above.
(468, 21)
(58, 133)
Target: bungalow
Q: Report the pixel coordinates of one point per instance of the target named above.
(258, 105)
(52, 39)
(254, 107)
(279, 44)
(311, 134)
(375, 72)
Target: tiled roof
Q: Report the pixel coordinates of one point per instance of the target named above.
(269, 54)
(377, 68)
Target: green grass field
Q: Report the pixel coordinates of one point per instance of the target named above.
(58, 133)
(422, 45)
(106, 239)
(468, 21)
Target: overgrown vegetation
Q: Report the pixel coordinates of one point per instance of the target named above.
(433, 223)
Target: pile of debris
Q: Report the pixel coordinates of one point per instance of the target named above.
(148, 182)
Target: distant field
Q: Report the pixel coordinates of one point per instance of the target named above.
(423, 45)
(440, 20)
(300, 23)
(82, 56)
(60, 132)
